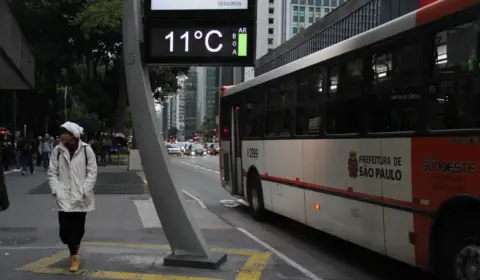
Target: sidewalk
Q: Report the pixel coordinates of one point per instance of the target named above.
(124, 239)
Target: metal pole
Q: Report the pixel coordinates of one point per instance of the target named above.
(65, 103)
(188, 245)
(14, 116)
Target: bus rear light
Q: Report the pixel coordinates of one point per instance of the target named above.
(225, 131)
(317, 206)
(237, 108)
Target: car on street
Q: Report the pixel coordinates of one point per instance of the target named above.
(213, 149)
(197, 150)
(174, 149)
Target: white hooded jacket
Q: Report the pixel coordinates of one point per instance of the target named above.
(72, 180)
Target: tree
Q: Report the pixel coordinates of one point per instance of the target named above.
(208, 127)
(79, 44)
(172, 132)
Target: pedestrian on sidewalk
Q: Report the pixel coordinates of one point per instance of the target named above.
(27, 149)
(72, 174)
(46, 147)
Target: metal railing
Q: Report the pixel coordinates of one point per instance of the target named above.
(364, 18)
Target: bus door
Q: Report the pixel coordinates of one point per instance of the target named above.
(236, 153)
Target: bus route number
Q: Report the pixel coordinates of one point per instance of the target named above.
(252, 152)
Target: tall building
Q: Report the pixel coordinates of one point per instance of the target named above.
(190, 91)
(201, 96)
(300, 14)
(211, 93)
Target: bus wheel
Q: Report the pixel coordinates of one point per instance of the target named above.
(460, 251)
(255, 197)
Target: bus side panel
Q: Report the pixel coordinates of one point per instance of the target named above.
(442, 167)
(397, 189)
(283, 161)
(253, 154)
(336, 168)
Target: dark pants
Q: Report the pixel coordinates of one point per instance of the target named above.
(27, 161)
(72, 229)
(46, 159)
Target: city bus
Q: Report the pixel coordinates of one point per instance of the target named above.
(374, 140)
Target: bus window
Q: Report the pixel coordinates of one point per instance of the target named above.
(382, 67)
(344, 105)
(307, 111)
(279, 115)
(354, 74)
(455, 101)
(394, 99)
(457, 49)
(254, 114)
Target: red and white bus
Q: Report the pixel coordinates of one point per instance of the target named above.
(374, 140)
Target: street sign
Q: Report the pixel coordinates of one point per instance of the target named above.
(162, 5)
(212, 43)
(194, 32)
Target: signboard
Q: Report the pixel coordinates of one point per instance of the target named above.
(176, 5)
(200, 32)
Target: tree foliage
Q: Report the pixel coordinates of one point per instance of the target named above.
(78, 43)
(208, 127)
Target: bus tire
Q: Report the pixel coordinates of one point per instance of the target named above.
(255, 197)
(459, 256)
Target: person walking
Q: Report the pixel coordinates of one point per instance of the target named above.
(72, 174)
(27, 149)
(46, 148)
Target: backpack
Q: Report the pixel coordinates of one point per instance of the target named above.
(84, 152)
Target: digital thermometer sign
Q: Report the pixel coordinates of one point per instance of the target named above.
(201, 45)
(181, 5)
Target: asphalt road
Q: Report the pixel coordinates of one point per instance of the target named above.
(323, 255)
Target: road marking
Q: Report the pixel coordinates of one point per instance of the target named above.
(195, 198)
(252, 269)
(201, 167)
(140, 276)
(43, 266)
(11, 171)
(281, 256)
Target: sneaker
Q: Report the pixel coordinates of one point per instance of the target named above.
(75, 263)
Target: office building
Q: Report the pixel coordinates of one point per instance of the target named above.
(190, 91)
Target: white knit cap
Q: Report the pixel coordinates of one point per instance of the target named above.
(73, 128)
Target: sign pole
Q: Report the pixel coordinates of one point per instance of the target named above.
(189, 248)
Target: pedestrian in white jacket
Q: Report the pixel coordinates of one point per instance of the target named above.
(72, 174)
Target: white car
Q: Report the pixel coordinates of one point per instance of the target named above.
(174, 150)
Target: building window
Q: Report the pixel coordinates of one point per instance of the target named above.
(294, 1)
(270, 21)
(310, 2)
(340, 2)
(295, 18)
(326, 3)
(270, 41)
(294, 30)
(327, 10)
(271, 1)
(302, 2)
(334, 3)
(271, 10)
(270, 31)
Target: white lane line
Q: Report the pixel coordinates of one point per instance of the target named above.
(200, 202)
(286, 259)
(32, 248)
(11, 171)
(201, 167)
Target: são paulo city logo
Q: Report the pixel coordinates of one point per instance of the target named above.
(375, 167)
